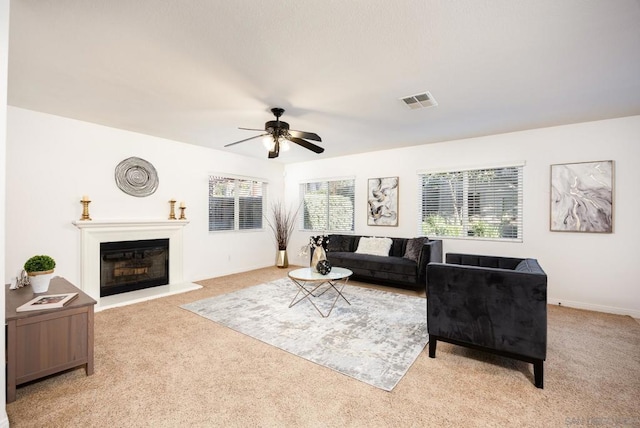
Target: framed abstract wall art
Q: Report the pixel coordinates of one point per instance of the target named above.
(382, 201)
(582, 197)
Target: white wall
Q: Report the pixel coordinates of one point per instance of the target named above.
(53, 161)
(4, 60)
(585, 270)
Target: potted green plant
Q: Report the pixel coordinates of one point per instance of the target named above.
(40, 271)
(282, 225)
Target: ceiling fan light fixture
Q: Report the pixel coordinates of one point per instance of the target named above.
(269, 143)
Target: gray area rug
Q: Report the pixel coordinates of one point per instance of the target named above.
(376, 339)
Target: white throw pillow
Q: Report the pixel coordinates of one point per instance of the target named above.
(374, 246)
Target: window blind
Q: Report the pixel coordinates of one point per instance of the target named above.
(235, 204)
(476, 203)
(250, 204)
(328, 205)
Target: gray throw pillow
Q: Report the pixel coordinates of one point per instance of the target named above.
(414, 247)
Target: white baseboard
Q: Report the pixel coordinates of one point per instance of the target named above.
(598, 308)
(4, 420)
(245, 269)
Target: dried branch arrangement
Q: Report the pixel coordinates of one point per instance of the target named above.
(282, 224)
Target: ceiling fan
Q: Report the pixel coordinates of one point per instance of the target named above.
(280, 133)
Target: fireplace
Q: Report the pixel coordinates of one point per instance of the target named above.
(133, 265)
(96, 232)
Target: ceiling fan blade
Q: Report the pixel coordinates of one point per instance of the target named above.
(246, 139)
(251, 129)
(307, 135)
(276, 151)
(306, 144)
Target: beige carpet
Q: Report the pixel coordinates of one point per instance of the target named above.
(157, 365)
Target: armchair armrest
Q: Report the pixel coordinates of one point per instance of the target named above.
(431, 252)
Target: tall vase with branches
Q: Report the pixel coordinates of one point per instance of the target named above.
(282, 224)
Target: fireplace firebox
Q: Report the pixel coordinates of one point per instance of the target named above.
(133, 265)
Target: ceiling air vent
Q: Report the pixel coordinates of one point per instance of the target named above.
(420, 101)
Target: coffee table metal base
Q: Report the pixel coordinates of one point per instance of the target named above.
(315, 288)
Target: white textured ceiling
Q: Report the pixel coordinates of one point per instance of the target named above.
(194, 71)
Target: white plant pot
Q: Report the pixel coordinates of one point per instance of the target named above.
(40, 281)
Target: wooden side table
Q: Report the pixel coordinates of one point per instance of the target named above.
(41, 343)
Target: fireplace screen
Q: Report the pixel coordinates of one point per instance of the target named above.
(133, 265)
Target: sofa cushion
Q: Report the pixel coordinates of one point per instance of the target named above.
(414, 247)
(379, 267)
(398, 247)
(339, 243)
(374, 246)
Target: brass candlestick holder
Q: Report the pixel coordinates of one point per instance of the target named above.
(85, 209)
(182, 216)
(172, 212)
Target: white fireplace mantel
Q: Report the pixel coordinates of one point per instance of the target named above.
(93, 224)
(93, 233)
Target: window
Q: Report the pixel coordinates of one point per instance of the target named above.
(235, 204)
(476, 203)
(328, 205)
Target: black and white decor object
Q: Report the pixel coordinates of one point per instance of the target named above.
(323, 267)
(136, 177)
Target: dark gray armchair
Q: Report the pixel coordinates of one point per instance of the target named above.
(495, 304)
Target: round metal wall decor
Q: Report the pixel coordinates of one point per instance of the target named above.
(136, 177)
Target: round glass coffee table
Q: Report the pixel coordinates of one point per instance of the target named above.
(313, 285)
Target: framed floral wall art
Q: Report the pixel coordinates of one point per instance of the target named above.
(382, 201)
(582, 197)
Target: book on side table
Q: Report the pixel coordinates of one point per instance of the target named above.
(47, 301)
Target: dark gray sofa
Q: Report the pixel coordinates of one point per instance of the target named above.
(495, 304)
(394, 270)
